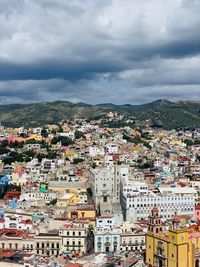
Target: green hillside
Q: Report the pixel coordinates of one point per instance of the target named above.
(168, 114)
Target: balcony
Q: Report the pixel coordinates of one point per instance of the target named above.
(133, 244)
(158, 255)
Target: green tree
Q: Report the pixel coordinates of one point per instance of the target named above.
(78, 134)
(53, 201)
(4, 150)
(44, 133)
(77, 160)
(65, 141)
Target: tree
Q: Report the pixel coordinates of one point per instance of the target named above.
(147, 165)
(31, 141)
(44, 133)
(77, 160)
(94, 165)
(15, 187)
(5, 143)
(18, 157)
(40, 156)
(24, 135)
(53, 201)
(51, 154)
(65, 141)
(16, 144)
(4, 150)
(78, 134)
(30, 153)
(89, 191)
(188, 142)
(44, 144)
(60, 129)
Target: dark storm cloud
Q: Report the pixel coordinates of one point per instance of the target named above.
(86, 50)
(50, 70)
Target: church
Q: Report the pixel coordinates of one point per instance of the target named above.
(179, 246)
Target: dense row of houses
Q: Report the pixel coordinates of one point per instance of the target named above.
(97, 193)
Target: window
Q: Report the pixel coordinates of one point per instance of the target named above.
(73, 233)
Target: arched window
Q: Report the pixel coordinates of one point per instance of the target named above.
(197, 263)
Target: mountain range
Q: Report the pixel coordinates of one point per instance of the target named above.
(167, 114)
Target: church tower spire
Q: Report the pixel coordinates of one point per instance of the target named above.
(154, 224)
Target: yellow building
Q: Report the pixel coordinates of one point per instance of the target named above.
(76, 187)
(37, 137)
(175, 142)
(67, 199)
(70, 153)
(177, 247)
(83, 212)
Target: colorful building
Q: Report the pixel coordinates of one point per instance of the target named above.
(177, 247)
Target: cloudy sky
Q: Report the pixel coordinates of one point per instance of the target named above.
(97, 51)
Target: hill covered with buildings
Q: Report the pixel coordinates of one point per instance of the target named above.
(161, 113)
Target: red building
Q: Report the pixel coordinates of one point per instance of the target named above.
(12, 194)
(197, 212)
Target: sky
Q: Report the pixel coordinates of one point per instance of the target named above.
(99, 51)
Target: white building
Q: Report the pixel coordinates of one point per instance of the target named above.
(111, 148)
(105, 221)
(31, 194)
(106, 240)
(132, 238)
(48, 164)
(76, 237)
(168, 200)
(133, 188)
(68, 134)
(16, 222)
(95, 151)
